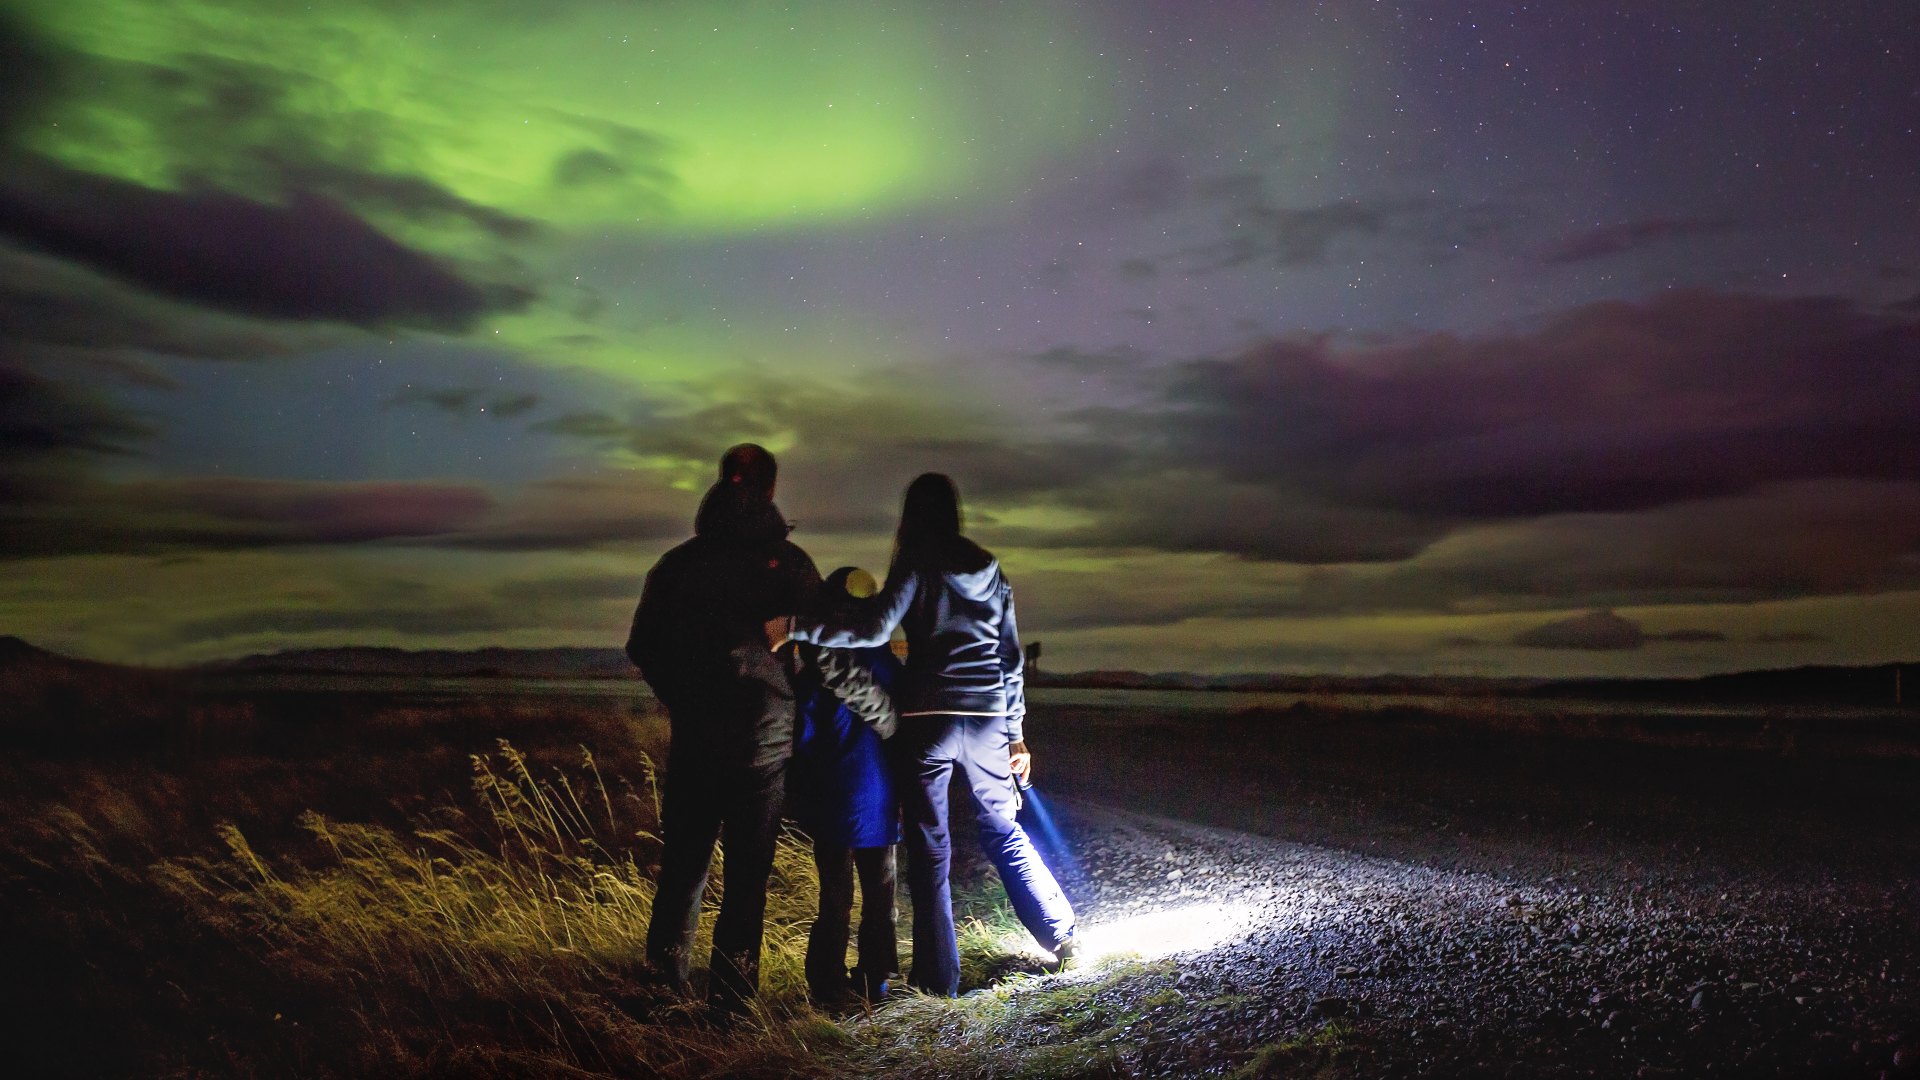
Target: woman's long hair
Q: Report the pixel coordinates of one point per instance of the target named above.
(929, 534)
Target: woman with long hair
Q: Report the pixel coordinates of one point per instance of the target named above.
(962, 705)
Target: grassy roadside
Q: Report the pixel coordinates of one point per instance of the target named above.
(349, 886)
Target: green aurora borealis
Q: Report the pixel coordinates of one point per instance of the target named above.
(1249, 332)
(575, 115)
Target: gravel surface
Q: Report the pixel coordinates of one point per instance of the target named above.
(1452, 972)
(1486, 943)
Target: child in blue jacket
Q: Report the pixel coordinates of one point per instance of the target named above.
(842, 794)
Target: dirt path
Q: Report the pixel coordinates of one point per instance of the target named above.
(1603, 936)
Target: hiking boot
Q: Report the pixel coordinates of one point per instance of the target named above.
(871, 986)
(1065, 953)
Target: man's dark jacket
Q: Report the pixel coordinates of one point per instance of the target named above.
(698, 635)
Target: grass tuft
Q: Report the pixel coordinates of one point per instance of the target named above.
(525, 911)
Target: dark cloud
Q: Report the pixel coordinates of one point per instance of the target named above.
(1262, 234)
(1084, 361)
(55, 312)
(1605, 240)
(616, 162)
(537, 593)
(1696, 447)
(1689, 637)
(509, 406)
(1613, 406)
(309, 259)
(597, 426)
(411, 197)
(148, 516)
(28, 70)
(578, 513)
(276, 215)
(585, 167)
(385, 606)
(468, 400)
(1054, 600)
(272, 512)
(1790, 637)
(235, 119)
(40, 417)
(1596, 631)
(830, 483)
(853, 453)
(434, 618)
(50, 431)
(1196, 512)
(1808, 538)
(1251, 228)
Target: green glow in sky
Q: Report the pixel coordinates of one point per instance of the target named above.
(577, 114)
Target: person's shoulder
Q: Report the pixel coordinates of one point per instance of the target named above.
(678, 554)
(968, 557)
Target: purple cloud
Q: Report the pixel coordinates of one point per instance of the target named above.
(310, 258)
(1612, 406)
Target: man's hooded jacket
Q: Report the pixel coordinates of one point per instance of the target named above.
(698, 636)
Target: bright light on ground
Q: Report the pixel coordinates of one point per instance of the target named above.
(1154, 934)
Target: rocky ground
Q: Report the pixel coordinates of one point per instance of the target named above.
(1655, 926)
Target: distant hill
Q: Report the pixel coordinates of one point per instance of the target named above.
(1284, 684)
(555, 663)
(19, 657)
(1870, 685)
(1873, 685)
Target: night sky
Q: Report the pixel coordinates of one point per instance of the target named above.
(1423, 337)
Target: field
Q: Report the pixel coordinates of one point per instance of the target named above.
(452, 880)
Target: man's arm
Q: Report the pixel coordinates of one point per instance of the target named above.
(850, 680)
(643, 639)
(651, 641)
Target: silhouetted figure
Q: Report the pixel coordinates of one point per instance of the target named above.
(962, 705)
(699, 640)
(841, 793)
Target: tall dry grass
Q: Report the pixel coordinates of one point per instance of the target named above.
(436, 911)
(516, 927)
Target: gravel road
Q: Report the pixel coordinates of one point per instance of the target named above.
(1653, 915)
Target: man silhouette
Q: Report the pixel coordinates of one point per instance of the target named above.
(698, 640)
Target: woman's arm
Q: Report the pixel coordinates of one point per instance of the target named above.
(1013, 670)
(849, 679)
(865, 624)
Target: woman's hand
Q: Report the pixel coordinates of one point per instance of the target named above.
(1020, 761)
(779, 631)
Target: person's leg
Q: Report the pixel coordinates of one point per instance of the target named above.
(924, 769)
(689, 825)
(749, 833)
(827, 940)
(1037, 900)
(879, 924)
